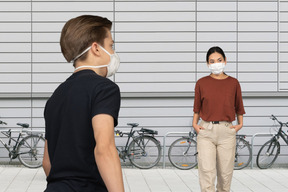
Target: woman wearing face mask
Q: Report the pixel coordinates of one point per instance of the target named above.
(218, 100)
(80, 116)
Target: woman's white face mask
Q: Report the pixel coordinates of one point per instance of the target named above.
(216, 68)
(112, 66)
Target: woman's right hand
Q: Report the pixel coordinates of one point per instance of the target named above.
(198, 128)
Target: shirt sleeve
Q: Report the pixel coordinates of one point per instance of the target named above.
(239, 107)
(106, 100)
(197, 99)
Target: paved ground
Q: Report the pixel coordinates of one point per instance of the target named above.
(21, 179)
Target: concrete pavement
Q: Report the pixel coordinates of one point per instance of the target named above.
(21, 179)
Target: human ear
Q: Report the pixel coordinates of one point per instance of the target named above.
(95, 49)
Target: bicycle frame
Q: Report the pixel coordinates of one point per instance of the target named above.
(185, 153)
(130, 134)
(282, 135)
(12, 153)
(189, 139)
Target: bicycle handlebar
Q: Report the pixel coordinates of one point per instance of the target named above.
(120, 133)
(274, 118)
(2, 122)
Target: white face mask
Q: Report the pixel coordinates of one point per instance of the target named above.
(112, 66)
(216, 68)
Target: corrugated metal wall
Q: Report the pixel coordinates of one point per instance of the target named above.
(162, 46)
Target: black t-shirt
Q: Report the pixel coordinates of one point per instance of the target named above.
(69, 132)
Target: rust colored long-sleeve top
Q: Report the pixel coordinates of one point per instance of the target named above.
(218, 99)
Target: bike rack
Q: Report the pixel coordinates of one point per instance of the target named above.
(164, 143)
(25, 130)
(181, 133)
(252, 144)
(33, 131)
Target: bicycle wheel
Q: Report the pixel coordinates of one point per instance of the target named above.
(31, 150)
(144, 152)
(183, 153)
(243, 154)
(268, 154)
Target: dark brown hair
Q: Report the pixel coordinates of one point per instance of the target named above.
(80, 32)
(213, 50)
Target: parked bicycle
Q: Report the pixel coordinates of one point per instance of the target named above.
(28, 147)
(144, 151)
(243, 153)
(183, 152)
(269, 152)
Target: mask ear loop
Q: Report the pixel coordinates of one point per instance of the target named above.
(75, 58)
(88, 66)
(105, 50)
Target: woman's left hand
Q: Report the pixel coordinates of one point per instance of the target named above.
(236, 127)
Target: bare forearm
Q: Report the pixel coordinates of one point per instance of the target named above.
(109, 167)
(46, 168)
(240, 120)
(240, 123)
(197, 127)
(195, 119)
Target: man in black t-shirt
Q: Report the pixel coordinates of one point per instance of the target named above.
(80, 153)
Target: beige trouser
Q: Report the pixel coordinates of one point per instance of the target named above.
(216, 155)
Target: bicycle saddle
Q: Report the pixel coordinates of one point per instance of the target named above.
(24, 125)
(133, 124)
(149, 131)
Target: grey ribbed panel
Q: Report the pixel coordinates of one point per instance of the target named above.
(162, 44)
(283, 45)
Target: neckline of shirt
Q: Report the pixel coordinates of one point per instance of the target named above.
(79, 73)
(219, 79)
(84, 70)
